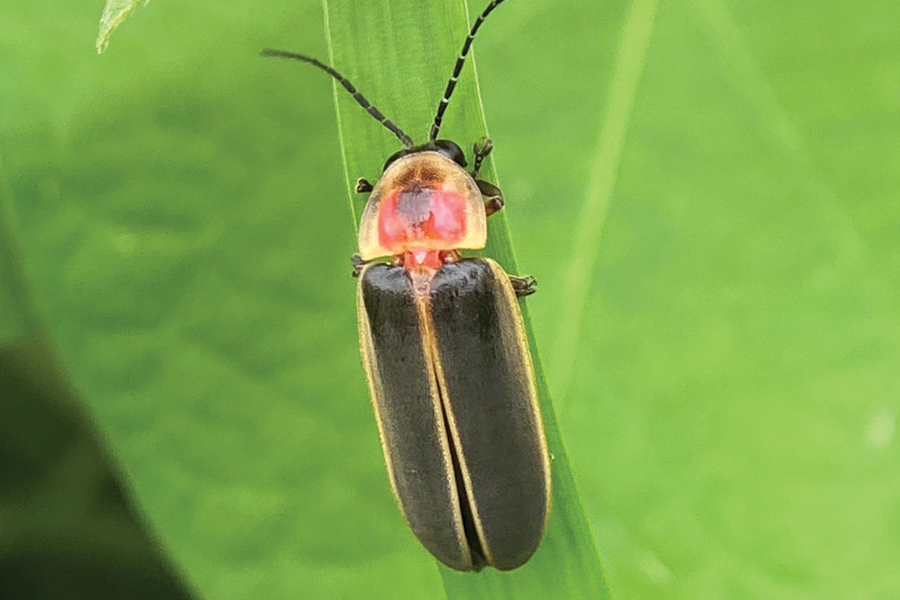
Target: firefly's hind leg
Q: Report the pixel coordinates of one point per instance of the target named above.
(523, 286)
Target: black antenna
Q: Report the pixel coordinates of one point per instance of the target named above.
(436, 126)
(407, 141)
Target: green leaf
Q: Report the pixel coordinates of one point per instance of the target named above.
(731, 407)
(17, 317)
(405, 76)
(114, 14)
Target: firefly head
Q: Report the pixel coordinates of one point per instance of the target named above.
(446, 147)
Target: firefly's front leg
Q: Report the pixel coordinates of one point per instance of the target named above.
(362, 186)
(493, 197)
(481, 149)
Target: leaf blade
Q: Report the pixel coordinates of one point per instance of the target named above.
(114, 14)
(406, 81)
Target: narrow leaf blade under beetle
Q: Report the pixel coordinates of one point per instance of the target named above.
(404, 76)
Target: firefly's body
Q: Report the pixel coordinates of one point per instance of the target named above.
(445, 352)
(449, 370)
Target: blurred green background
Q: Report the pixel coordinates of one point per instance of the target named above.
(718, 257)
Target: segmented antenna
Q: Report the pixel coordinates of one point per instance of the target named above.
(407, 141)
(436, 126)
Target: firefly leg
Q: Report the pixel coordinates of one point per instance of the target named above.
(493, 204)
(523, 286)
(481, 149)
(493, 197)
(358, 264)
(362, 186)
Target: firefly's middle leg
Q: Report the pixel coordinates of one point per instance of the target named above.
(523, 286)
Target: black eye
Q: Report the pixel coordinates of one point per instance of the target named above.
(451, 151)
